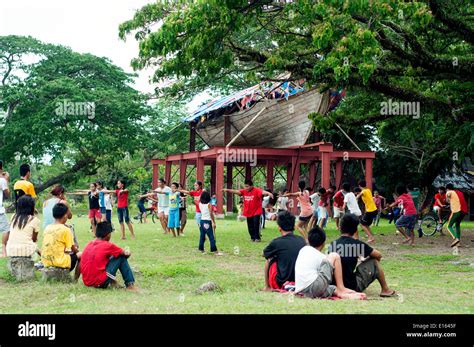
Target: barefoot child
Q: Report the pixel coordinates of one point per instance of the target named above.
(314, 271)
(174, 198)
(306, 212)
(122, 208)
(370, 210)
(458, 207)
(101, 259)
(94, 206)
(208, 223)
(406, 223)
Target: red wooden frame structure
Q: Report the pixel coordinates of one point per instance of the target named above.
(222, 166)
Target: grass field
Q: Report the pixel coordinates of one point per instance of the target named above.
(429, 278)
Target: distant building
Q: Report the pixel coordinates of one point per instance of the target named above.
(463, 180)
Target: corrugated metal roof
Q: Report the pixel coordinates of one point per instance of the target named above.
(461, 180)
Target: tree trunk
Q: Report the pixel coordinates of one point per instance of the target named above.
(66, 175)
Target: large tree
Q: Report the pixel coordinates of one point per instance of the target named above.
(60, 105)
(416, 51)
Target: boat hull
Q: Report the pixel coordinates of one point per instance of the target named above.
(283, 123)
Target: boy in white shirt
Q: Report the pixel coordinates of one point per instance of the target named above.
(314, 271)
(350, 201)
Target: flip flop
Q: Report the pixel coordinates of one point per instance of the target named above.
(455, 243)
(393, 294)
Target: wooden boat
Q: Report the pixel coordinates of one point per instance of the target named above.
(279, 123)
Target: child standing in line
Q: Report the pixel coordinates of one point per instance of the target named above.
(370, 210)
(174, 203)
(208, 223)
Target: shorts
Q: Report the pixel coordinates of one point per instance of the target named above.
(182, 213)
(164, 209)
(338, 212)
(304, 218)
(141, 208)
(321, 287)
(4, 225)
(436, 208)
(103, 210)
(94, 213)
(368, 217)
(407, 221)
(173, 218)
(366, 273)
(123, 215)
(322, 213)
(198, 218)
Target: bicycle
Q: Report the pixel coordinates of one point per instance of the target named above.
(429, 224)
(149, 212)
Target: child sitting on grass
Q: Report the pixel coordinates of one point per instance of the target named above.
(58, 249)
(208, 223)
(101, 259)
(314, 271)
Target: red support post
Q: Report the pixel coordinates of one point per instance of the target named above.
(219, 185)
(270, 166)
(368, 172)
(312, 175)
(295, 172)
(156, 171)
(338, 173)
(200, 169)
(183, 165)
(325, 170)
(168, 171)
(229, 196)
(248, 171)
(213, 176)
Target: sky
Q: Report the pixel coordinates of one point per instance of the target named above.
(86, 26)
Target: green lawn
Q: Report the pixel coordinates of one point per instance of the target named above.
(429, 278)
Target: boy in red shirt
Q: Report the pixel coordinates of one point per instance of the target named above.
(440, 203)
(196, 194)
(252, 206)
(102, 259)
(338, 205)
(406, 223)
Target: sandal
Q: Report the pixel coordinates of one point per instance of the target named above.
(391, 295)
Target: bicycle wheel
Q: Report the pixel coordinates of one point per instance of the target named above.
(429, 225)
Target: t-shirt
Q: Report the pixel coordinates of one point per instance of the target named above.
(350, 250)
(284, 250)
(462, 201)
(325, 199)
(205, 213)
(338, 199)
(94, 260)
(196, 194)
(265, 201)
(174, 198)
(252, 202)
(27, 187)
(107, 202)
(407, 204)
(282, 201)
(48, 206)
(163, 199)
(122, 198)
(315, 198)
(20, 242)
(93, 201)
(306, 268)
(368, 200)
(305, 204)
(3, 186)
(454, 202)
(440, 197)
(182, 201)
(352, 204)
(57, 239)
(101, 199)
(378, 202)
